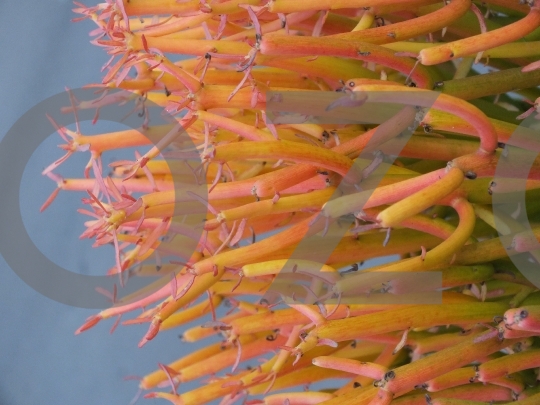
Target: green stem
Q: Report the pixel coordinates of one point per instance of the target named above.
(491, 83)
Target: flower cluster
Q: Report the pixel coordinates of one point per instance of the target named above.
(285, 208)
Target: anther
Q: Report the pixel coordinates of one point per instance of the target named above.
(389, 375)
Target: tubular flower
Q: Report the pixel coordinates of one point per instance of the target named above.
(260, 201)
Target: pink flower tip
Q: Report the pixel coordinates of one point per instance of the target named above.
(530, 67)
(326, 342)
(90, 322)
(152, 330)
(142, 342)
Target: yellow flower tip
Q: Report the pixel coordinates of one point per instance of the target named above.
(429, 57)
(385, 220)
(422, 199)
(145, 384)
